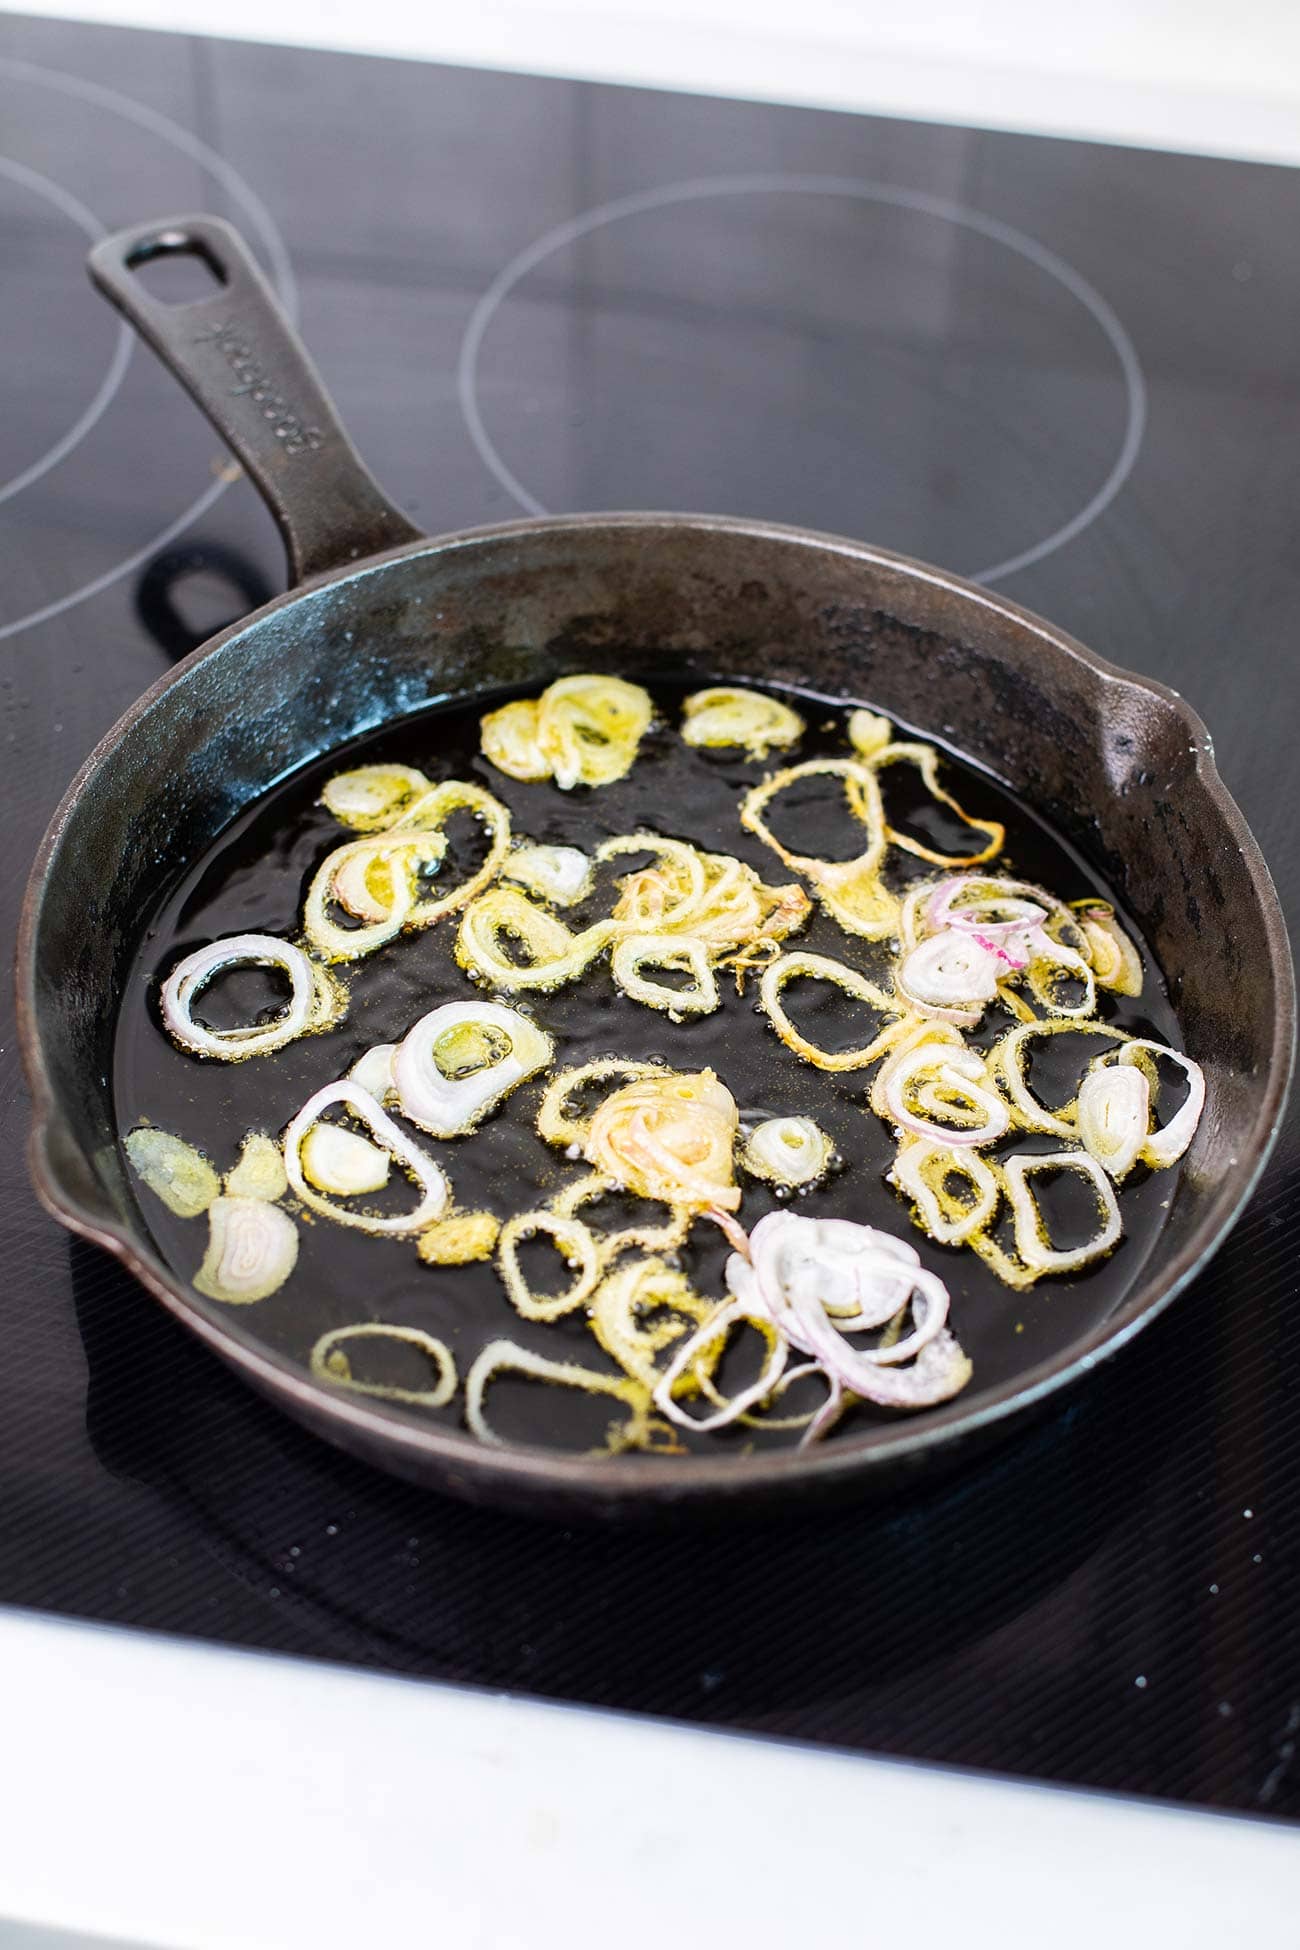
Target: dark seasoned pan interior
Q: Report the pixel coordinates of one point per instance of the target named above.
(254, 880)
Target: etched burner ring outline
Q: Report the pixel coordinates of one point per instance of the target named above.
(90, 225)
(259, 217)
(700, 189)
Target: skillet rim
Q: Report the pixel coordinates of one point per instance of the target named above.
(524, 1476)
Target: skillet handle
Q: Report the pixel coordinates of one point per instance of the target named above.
(238, 356)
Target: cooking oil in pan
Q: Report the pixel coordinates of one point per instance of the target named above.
(254, 881)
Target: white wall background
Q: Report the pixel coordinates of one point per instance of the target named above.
(1221, 76)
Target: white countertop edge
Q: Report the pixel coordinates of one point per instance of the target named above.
(192, 1796)
(752, 50)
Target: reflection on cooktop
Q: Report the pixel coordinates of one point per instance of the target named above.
(51, 289)
(1068, 368)
(936, 374)
(384, 1572)
(976, 1622)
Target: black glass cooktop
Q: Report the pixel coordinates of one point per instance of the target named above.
(1072, 370)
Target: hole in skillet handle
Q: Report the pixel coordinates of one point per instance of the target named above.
(177, 269)
(186, 595)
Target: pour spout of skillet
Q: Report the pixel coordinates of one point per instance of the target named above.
(238, 357)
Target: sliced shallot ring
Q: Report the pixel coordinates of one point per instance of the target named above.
(573, 1239)
(712, 1332)
(637, 951)
(506, 1357)
(670, 1137)
(658, 1289)
(967, 892)
(1115, 961)
(350, 944)
(429, 814)
(1048, 952)
(868, 732)
(252, 1249)
(431, 1179)
(940, 1371)
(850, 890)
(911, 916)
(571, 709)
(342, 1162)
(887, 1264)
(173, 1170)
(1028, 916)
(509, 740)
(823, 1337)
(765, 1287)
(350, 883)
(260, 1171)
(1006, 1060)
(786, 968)
(191, 976)
(953, 1018)
(724, 716)
(687, 861)
(714, 898)
(350, 887)
(1032, 1242)
(742, 913)
(559, 955)
(561, 874)
(652, 1239)
(952, 976)
(962, 1073)
(452, 1106)
(883, 1270)
(912, 1174)
(439, 1354)
(926, 760)
(1114, 1115)
(552, 1121)
(369, 796)
(912, 1034)
(929, 1313)
(790, 1151)
(1166, 1145)
(659, 1164)
(373, 1070)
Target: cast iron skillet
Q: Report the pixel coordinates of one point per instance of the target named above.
(382, 622)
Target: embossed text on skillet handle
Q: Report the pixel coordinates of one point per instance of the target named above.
(237, 355)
